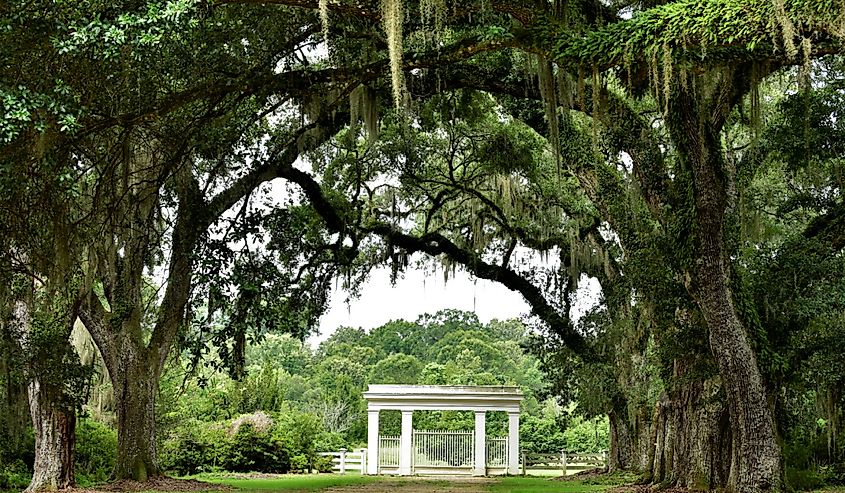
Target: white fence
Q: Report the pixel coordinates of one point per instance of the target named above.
(344, 460)
(438, 452)
(497, 452)
(388, 451)
(440, 448)
(564, 463)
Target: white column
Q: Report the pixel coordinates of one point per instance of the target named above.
(405, 443)
(372, 442)
(480, 468)
(513, 443)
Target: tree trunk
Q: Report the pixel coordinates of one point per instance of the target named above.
(756, 464)
(644, 449)
(621, 456)
(55, 441)
(134, 375)
(698, 115)
(757, 455)
(54, 424)
(692, 446)
(15, 409)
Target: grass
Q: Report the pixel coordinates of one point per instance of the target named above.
(516, 484)
(292, 483)
(317, 482)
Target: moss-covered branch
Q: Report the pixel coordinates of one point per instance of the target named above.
(699, 31)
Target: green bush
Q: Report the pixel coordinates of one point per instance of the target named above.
(329, 442)
(299, 463)
(254, 450)
(96, 447)
(803, 479)
(195, 447)
(540, 435)
(323, 464)
(834, 474)
(14, 475)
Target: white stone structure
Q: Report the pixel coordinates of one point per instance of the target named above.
(410, 398)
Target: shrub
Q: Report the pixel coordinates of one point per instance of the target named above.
(14, 475)
(299, 463)
(253, 450)
(96, 447)
(835, 474)
(195, 447)
(327, 441)
(252, 442)
(803, 479)
(296, 432)
(323, 464)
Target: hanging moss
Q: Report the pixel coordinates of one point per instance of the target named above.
(323, 7)
(548, 93)
(363, 106)
(392, 13)
(754, 96)
(433, 16)
(787, 28)
(806, 64)
(582, 104)
(667, 76)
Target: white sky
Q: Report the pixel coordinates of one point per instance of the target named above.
(420, 292)
(416, 294)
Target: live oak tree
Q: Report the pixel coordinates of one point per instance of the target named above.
(133, 170)
(700, 61)
(157, 140)
(164, 136)
(41, 287)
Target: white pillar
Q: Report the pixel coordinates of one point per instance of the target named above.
(480, 468)
(513, 443)
(372, 442)
(405, 443)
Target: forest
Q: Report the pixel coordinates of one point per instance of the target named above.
(295, 401)
(183, 182)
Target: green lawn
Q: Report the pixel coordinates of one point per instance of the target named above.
(292, 483)
(317, 482)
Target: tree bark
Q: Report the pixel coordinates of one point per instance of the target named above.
(692, 439)
(622, 444)
(15, 408)
(134, 376)
(698, 115)
(55, 441)
(53, 423)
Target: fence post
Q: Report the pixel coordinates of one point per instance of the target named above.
(523, 463)
(563, 461)
(604, 457)
(363, 461)
(343, 461)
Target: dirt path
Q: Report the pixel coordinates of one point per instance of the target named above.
(419, 485)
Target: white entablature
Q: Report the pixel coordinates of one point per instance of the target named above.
(410, 398)
(442, 397)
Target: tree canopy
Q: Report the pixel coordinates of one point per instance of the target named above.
(683, 154)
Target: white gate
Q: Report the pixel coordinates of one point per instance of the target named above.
(497, 452)
(439, 448)
(388, 451)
